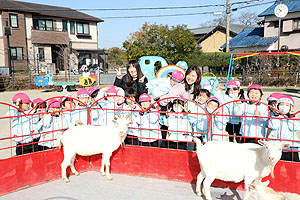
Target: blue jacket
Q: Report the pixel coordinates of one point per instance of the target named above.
(179, 127)
(285, 129)
(252, 126)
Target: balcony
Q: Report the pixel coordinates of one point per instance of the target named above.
(49, 36)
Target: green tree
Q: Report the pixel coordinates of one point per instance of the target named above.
(174, 44)
(116, 57)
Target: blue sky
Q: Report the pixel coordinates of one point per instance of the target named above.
(113, 32)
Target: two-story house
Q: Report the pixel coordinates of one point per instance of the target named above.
(44, 36)
(266, 38)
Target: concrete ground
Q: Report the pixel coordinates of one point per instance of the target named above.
(91, 185)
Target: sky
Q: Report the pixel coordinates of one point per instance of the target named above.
(113, 32)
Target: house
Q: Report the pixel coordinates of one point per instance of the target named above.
(210, 38)
(45, 38)
(266, 38)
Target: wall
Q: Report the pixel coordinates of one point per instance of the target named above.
(214, 42)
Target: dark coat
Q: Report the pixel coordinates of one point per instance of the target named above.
(140, 88)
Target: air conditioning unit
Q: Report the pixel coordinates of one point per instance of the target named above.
(7, 30)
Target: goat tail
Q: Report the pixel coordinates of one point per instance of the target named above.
(58, 141)
(198, 142)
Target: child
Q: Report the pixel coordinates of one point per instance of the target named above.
(93, 92)
(53, 124)
(148, 123)
(201, 96)
(109, 105)
(22, 126)
(179, 128)
(283, 127)
(273, 101)
(254, 115)
(233, 93)
(39, 107)
(217, 132)
(80, 114)
(130, 107)
(161, 86)
(67, 105)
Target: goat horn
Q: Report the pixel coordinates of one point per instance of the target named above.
(118, 115)
(127, 116)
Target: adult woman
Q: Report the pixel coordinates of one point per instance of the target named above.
(134, 78)
(192, 79)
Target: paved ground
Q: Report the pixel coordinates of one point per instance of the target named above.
(91, 185)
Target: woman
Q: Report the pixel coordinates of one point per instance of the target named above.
(134, 78)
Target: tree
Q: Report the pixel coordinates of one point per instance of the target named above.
(116, 57)
(248, 18)
(174, 44)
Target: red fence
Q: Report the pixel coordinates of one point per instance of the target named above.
(171, 154)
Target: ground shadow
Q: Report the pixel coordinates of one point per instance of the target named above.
(292, 90)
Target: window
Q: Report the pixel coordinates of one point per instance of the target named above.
(296, 24)
(83, 28)
(16, 53)
(276, 24)
(41, 55)
(72, 27)
(65, 25)
(13, 20)
(45, 25)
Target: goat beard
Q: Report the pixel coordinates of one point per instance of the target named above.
(272, 166)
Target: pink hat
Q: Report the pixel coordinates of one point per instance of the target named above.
(286, 99)
(61, 99)
(274, 96)
(92, 90)
(255, 86)
(24, 98)
(177, 76)
(54, 103)
(82, 93)
(112, 90)
(233, 83)
(36, 101)
(144, 97)
(213, 99)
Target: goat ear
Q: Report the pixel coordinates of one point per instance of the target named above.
(284, 146)
(261, 142)
(252, 186)
(114, 121)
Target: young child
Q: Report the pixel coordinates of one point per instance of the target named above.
(108, 106)
(22, 126)
(80, 114)
(201, 96)
(272, 102)
(93, 92)
(67, 105)
(161, 86)
(233, 92)
(148, 123)
(179, 128)
(54, 124)
(254, 115)
(285, 128)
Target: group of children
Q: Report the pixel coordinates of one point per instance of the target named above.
(165, 122)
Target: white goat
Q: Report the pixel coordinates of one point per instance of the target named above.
(90, 140)
(260, 191)
(235, 162)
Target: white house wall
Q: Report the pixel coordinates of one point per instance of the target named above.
(90, 43)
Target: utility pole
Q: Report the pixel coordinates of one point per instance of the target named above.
(227, 24)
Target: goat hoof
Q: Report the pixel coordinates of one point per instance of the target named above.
(109, 177)
(77, 173)
(66, 180)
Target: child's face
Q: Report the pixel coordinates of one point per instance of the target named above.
(54, 111)
(85, 100)
(24, 106)
(202, 98)
(254, 94)
(172, 82)
(69, 105)
(284, 107)
(145, 104)
(128, 100)
(234, 90)
(41, 110)
(112, 98)
(273, 104)
(177, 107)
(212, 105)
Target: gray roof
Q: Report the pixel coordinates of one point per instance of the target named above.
(235, 28)
(46, 10)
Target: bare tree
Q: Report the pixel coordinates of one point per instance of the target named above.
(248, 18)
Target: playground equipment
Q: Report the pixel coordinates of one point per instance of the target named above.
(236, 56)
(209, 81)
(86, 79)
